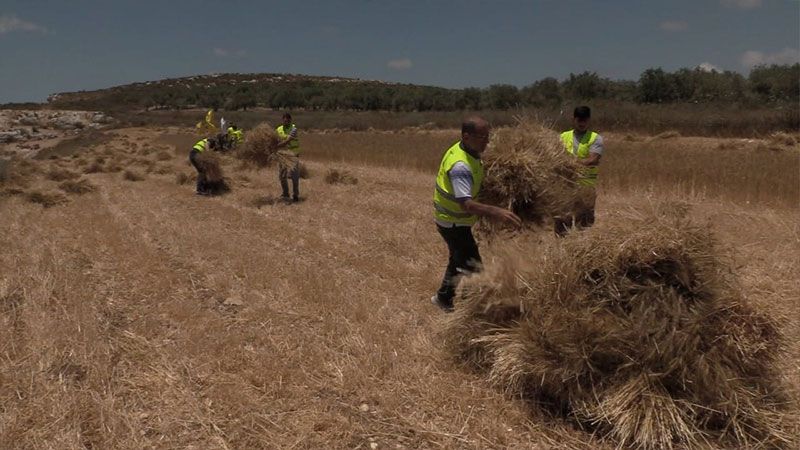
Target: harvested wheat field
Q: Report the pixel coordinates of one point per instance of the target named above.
(139, 315)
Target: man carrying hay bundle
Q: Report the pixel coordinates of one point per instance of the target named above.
(455, 210)
(288, 139)
(587, 147)
(235, 135)
(201, 146)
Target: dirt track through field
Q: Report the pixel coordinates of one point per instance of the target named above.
(147, 317)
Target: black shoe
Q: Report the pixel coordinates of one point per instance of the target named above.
(295, 199)
(203, 193)
(448, 308)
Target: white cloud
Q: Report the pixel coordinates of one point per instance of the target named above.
(673, 25)
(743, 4)
(708, 67)
(753, 58)
(10, 23)
(224, 53)
(400, 64)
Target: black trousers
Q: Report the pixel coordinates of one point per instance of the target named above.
(464, 258)
(201, 175)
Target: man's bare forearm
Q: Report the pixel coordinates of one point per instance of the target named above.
(484, 210)
(592, 160)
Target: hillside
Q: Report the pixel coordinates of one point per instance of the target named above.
(773, 87)
(242, 91)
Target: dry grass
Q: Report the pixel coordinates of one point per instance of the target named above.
(303, 171)
(94, 167)
(163, 169)
(340, 176)
(5, 170)
(147, 317)
(418, 151)
(47, 199)
(164, 155)
(182, 178)
(783, 139)
(696, 166)
(672, 134)
(18, 172)
(703, 119)
(132, 175)
(81, 186)
(636, 327)
(61, 174)
(682, 165)
(76, 145)
(113, 167)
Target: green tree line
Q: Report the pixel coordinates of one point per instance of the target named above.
(764, 85)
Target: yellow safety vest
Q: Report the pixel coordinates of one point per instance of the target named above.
(201, 145)
(589, 173)
(283, 133)
(445, 206)
(236, 135)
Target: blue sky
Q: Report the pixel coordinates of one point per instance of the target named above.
(54, 46)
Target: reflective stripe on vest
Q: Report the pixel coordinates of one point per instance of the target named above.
(294, 144)
(445, 206)
(200, 146)
(589, 174)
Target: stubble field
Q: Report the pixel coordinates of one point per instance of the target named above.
(134, 314)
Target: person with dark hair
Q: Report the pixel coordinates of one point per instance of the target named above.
(456, 210)
(235, 135)
(288, 139)
(587, 147)
(203, 145)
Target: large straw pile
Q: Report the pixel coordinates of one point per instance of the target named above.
(635, 327)
(215, 180)
(528, 172)
(260, 146)
(210, 164)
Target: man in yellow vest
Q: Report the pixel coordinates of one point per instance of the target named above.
(455, 209)
(203, 145)
(288, 139)
(235, 135)
(587, 146)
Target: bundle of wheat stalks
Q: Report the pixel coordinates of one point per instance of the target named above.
(211, 164)
(260, 146)
(636, 327)
(528, 172)
(339, 176)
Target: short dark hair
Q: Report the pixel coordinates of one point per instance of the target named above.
(470, 125)
(212, 143)
(286, 115)
(582, 112)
